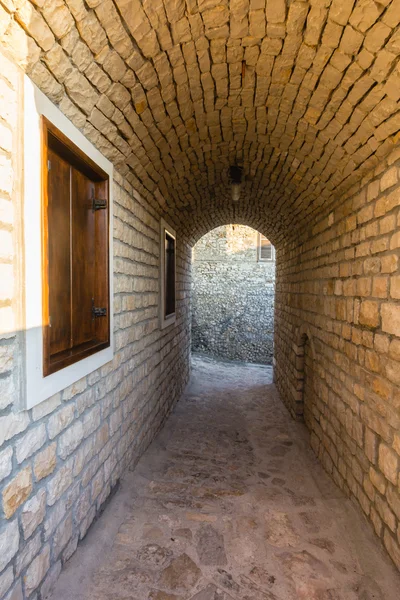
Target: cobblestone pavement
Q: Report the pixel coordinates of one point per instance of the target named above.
(229, 503)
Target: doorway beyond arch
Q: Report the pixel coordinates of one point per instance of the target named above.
(233, 289)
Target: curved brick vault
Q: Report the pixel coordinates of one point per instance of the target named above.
(303, 95)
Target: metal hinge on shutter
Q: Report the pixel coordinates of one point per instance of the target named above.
(97, 311)
(49, 165)
(99, 204)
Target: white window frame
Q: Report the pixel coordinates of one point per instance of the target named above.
(38, 388)
(170, 320)
(264, 260)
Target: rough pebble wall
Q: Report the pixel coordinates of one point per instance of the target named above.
(338, 300)
(233, 297)
(60, 461)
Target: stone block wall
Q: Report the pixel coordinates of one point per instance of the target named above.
(338, 303)
(233, 296)
(60, 461)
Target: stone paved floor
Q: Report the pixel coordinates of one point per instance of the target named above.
(229, 503)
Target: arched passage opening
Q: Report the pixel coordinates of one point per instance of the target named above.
(233, 286)
(192, 225)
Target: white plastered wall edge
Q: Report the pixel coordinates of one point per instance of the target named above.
(37, 387)
(170, 320)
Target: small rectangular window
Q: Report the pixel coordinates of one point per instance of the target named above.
(265, 249)
(75, 253)
(168, 276)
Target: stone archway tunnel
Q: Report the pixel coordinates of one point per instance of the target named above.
(302, 98)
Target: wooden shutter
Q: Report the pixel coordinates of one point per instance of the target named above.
(59, 264)
(82, 258)
(76, 271)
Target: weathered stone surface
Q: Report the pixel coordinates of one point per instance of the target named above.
(392, 547)
(49, 85)
(77, 8)
(159, 595)
(58, 17)
(81, 56)
(81, 92)
(22, 48)
(92, 32)
(6, 580)
(53, 519)
(9, 542)
(275, 11)
(5, 462)
(37, 570)
(279, 530)
(16, 593)
(34, 24)
(390, 318)
(210, 592)
(17, 491)
(109, 18)
(50, 580)
(181, 574)
(389, 463)
(28, 553)
(60, 420)
(210, 546)
(30, 442)
(59, 483)
(70, 440)
(33, 513)
(369, 314)
(46, 407)
(154, 555)
(62, 535)
(12, 424)
(45, 462)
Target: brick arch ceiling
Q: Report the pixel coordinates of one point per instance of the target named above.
(304, 96)
(194, 224)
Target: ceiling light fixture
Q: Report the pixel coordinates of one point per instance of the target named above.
(235, 176)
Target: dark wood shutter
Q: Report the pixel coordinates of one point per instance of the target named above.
(76, 271)
(82, 258)
(169, 274)
(59, 263)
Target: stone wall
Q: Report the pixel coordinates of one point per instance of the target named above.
(233, 296)
(338, 303)
(60, 461)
